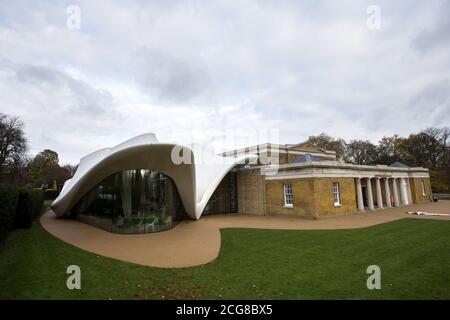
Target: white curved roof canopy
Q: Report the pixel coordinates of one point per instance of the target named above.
(195, 182)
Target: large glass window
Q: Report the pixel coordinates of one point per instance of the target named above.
(131, 201)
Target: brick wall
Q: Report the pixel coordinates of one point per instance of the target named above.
(302, 191)
(251, 196)
(323, 193)
(416, 190)
(283, 158)
(312, 197)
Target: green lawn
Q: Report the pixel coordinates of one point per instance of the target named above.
(47, 204)
(413, 254)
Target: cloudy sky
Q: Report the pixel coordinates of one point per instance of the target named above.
(199, 70)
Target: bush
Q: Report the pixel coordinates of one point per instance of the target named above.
(29, 206)
(8, 203)
(24, 209)
(440, 181)
(50, 195)
(39, 202)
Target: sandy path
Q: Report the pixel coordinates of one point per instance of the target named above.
(193, 243)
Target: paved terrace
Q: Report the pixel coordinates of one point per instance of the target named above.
(193, 243)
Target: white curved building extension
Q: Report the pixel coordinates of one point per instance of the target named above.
(142, 185)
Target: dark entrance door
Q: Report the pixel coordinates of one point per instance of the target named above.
(224, 198)
(364, 195)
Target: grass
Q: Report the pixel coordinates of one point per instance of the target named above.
(47, 204)
(413, 256)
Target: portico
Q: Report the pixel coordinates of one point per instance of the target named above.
(397, 192)
(325, 188)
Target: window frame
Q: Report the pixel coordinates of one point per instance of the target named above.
(288, 195)
(336, 194)
(422, 186)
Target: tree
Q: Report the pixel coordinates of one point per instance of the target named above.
(435, 146)
(324, 141)
(423, 150)
(13, 144)
(18, 171)
(60, 174)
(391, 149)
(43, 166)
(439, 149)
(70, 168)
(361, 152)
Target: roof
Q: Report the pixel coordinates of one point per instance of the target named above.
(307, 158)
(398, 164)
(307, 146)
(196, 179)
(300, 148)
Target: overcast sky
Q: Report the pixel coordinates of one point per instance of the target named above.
(201, 69)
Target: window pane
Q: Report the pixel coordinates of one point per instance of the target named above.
(288, 194)
(336, 195)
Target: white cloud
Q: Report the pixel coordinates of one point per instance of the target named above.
(183, 68)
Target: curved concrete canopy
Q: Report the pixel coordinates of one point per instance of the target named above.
(195, 181)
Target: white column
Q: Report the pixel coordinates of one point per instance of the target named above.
(408, 187)
(379, 196)
(369, 195)
(403, 191)
(359, 195)
(395, 192)
(387, 193)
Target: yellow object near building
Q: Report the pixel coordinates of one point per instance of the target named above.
(54, 187)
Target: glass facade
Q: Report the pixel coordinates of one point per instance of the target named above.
(131, 201)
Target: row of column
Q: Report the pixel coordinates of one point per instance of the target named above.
(403, 197)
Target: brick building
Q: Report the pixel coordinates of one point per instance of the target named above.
(302, 180)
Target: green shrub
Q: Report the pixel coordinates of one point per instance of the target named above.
(29, 206)
(24, 210)
(8, 203)
(38, 202)
(440, 180)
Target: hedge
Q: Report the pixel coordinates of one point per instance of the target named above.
(8, 204)
(29, 206)
(51, 195)
(19, 207)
